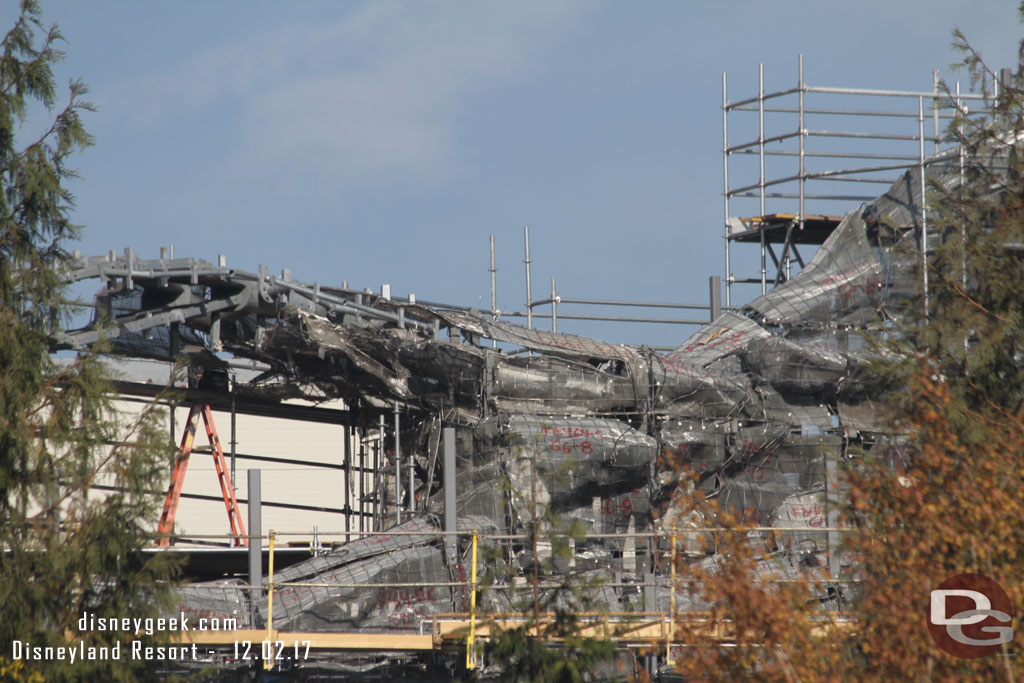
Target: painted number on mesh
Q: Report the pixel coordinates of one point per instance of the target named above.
(612, 506)
(569, 447)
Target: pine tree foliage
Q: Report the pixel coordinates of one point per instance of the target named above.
(550, 643)
(956, 507)
(66, 548)
(970, 328)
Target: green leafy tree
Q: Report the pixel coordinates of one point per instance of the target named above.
(65, 549)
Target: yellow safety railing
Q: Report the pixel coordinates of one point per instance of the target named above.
(654, 626)
(670, 632)
(470, 644)
(268, 662)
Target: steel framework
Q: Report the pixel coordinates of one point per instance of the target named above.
(797, 152)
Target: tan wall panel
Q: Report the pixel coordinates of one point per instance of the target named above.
(291, 483)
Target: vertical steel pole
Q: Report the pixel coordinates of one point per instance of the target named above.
(963, 226)
(960, 131)
(494, 292)
(650, 605)
(175, 348)
(760, 182)
(450, 503)
(832, 514)
(803, 133)
(268, 663)
(377, 503)
(346, 455)
(362, 478)
(924, 215)
(412, 482)
(715, 287)
(254, 508)
(234, 441)
(129, 258)
(398, 469)
(378, 466)
(935, 109)
(470, 645)
(725, 194)
(554, 308)
(670, 631)
(529, 295)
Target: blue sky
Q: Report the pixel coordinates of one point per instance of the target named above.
(383, 142)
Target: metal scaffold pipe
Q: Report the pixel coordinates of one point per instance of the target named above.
(554, 307)
(346, 456)
(924, 202)
(494, 291)
(378, 482)
(255, 541)
(362, 477)
(268, 663)
(760, 182)
(450, 500)
(471, 638)
(412, 482)
(803, 169)
(529, 295)
(725, 174)
(398, 468)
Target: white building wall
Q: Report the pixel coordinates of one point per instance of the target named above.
(281, 483)
(300, 483)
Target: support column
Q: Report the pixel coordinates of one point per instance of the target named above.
(378, 465)
(412, 483)
(361, 436)
(832, 493)
(715, 286)
(234, 441)
(450, 511)
(494, 293)
(255, 543)
(529, 294)
(398, 467)
(346, 460)
(554, 307)
(175, 349)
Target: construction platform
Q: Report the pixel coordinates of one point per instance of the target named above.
(776, 227)
(651, 629)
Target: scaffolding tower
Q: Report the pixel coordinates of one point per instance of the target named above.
(809, 148)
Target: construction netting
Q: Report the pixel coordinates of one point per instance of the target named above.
(555, 432)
